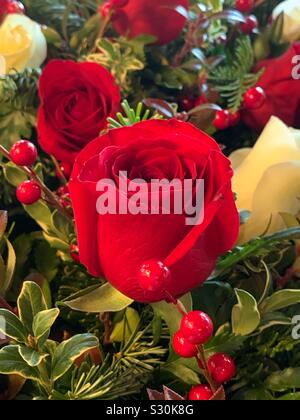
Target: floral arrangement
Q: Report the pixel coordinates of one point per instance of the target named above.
(149, 190)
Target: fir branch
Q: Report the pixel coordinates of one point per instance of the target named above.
(233, 79)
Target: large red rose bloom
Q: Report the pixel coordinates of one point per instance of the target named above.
(76, 100)
(151, 17)
(117, 245)
(282, 92)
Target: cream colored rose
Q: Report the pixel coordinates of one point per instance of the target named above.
(291, 26)
(267, 179)
(22, 44)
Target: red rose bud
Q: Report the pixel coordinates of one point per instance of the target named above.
(116, 245)
(29, 192)
(92, 95)
(23, 153)
(281, 89)
(158, 18)
(201, 393)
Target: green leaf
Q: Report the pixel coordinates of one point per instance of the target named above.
(30, 302)
(11, 363)
(170, 313)
(104, 299)
(46, 260)
(41, 213)
(245, 315)
(294, 396)
(42, 324)
(184, 373)
(125, 328)
(283, 380)
(280, 300)
(3, 223)
(13, 174)
(12, 327)
(224, 342)
(10, 267)
(31, 357)
(68, 351)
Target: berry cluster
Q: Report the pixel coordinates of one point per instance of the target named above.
(24, 153)
(196, 329)
(254, 98)
(251, 22)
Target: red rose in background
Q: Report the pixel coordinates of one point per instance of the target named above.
(117, 245)
(76, 100)
(151, 17)
(282, 90)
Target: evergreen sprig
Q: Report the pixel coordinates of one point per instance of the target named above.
(234, 78)
(131, 116)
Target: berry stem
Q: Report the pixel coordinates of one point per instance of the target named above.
(201, 357)
(49, 196)
(59, 171)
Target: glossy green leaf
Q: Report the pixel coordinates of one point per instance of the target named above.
(68, 351)
(11, 362)
(280, 300)
(13, 174)
(245, 315)
(12, 327)
(104, 299)
(31, 357)
(42, 324)
(30, 302)
(283, 380)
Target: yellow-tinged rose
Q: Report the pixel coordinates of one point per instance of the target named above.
(267, 179)
(291, 25)
(22, 44)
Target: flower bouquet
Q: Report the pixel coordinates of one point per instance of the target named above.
(149, 190)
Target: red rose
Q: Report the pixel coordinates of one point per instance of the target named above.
(117, 245)
(151, 17)
(76, 100)
(282, 90)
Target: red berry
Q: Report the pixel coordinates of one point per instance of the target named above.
(23, 153)
(29, 192)
(254, 98)
(187, 103)
(250, 24)
(234, 118)
(197, 327)
(153, 276)
(222, 367)
(200, 393)
(182, 347)
(222, 120)
(74, 253)
(105, 8)
(15, 7)
(244, 6)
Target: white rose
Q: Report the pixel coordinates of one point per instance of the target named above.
(291, 26)
(22, 44)
(267, 179)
